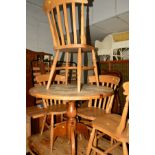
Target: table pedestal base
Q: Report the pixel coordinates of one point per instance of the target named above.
(70, 128)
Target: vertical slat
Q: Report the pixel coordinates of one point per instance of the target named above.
(114, 87)
(66, 23)
(51, 102)
(95, 104)
(74, 22)
(79, 69)
(104, 102)
(67, 60)
(108, 84)
(83, 38)
(90, 103)
(52, 30)
(55, 102)
(55, 29)
(44, 83)
(111, 85)
(109, 104)
(95, 67)
(52, 69)
(100, 101)
(45, 103)
(60, 25)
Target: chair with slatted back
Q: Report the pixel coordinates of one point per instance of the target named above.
(98, 107)
(113, 125)
(36, 70)
(67, 25)
(57, 105)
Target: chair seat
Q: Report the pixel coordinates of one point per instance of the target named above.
(36, 112)
(57, 109)
(90, 112)
(108, 124)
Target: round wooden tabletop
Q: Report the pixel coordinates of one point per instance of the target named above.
(69, 92)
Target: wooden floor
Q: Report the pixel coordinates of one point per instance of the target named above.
(62, 146)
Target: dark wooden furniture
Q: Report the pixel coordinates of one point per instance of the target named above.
(121, 69)
(69, 94)
(36, 59)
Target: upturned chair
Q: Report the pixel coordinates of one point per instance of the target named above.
(57, 106)
(67, 25)
(113, 125)
(99, 107)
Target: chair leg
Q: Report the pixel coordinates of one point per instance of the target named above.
(125, 149)
(67, 59)
(43, 124)
(95, 143)
(30, 152)
(53, 67)
(79, 69)
(52, 132)
(90, 142)
(95, 66)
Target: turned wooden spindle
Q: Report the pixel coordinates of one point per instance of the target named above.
(71, 124)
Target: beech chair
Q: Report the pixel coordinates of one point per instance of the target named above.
(36, 70)
(98, 107)
(42, 80)
(57, 106)
(113, 125)
(67, 26)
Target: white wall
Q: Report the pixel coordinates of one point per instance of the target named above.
(104, 9)
(38, 35)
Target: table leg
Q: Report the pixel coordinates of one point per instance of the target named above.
(28, 132)
(28, 126)
(71, 124)
(71, 127)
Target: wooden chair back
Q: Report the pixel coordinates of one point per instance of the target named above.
(65, 18)
(36, 70)
(108, 81)
(43, 79)
(123, 122)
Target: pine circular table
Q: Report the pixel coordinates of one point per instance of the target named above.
(69, 94)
